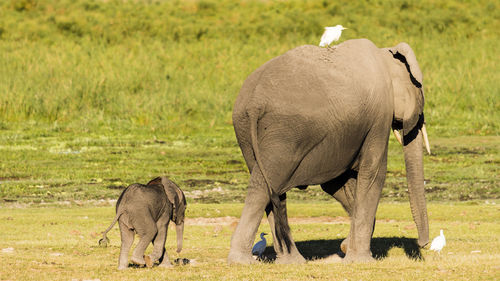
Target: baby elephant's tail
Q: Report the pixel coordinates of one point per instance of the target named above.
(103, 242)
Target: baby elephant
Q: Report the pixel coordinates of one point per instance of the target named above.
(147, 210)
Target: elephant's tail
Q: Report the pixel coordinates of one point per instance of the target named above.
(104, 240)
(280, 220)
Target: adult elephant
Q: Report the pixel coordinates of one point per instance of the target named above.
(323, 116)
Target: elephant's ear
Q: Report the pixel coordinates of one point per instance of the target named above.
(408, 87)
(154, 181)
(180, 209)
(176, 198)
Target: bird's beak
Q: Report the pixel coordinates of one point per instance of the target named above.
(264, 233)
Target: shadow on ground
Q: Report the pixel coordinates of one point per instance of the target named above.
(320, 249)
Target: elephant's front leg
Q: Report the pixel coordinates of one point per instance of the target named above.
(342, 189)
(147, 230)
(159, 244)
(369, 185)
(283, 256)
(244, 235)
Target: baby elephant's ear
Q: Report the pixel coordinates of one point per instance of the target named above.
(180, 209)
(176, 198)
(154, 181)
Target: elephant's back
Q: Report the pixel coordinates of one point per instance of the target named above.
(315, 82)
(311, 100)
(307, 77)
(139, 198)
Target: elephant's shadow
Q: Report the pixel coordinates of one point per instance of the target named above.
(319, 249)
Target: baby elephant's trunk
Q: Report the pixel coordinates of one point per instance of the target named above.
(179, 228)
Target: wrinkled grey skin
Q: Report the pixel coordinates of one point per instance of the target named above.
(323, 116)
(147, 210)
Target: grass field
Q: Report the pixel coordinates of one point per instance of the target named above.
(95, 95)
(48, 167)
(177, 66)
(62, 245)
(98, 94)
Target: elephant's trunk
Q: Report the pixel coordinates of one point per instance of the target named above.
(179, 228)
(415, 177)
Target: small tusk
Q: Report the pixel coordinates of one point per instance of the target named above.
(426, 139)
(398, 136)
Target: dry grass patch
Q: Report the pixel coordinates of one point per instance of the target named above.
(55, 243)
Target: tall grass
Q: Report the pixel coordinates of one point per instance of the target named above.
(177, 66)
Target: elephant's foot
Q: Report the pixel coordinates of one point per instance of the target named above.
(343, 246)
(122, 267)
(240, 258)
(149, 261)
(292, 258)
(351, 257)
(335, 258)
(165, 261)
(165, 265)
(138, 260)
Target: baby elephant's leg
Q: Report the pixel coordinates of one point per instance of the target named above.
(159, 243)
(127, 237)
(146, 228)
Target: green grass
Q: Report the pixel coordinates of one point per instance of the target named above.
(96, 95)
(61, 244)
(177, 66)
(50, 166)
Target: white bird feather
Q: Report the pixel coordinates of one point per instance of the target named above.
(259, 247)
(331, 34)
(438, 243)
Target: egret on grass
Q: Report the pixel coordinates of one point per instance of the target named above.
(259, 247)
(438, 243)
(332, 33)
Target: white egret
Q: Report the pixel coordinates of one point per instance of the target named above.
(438, 243)
(259, 247)
(332, 33)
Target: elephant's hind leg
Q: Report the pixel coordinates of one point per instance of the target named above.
(283, 256)
(127, 238)
(244, 235)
